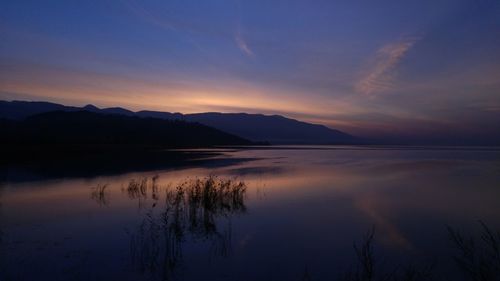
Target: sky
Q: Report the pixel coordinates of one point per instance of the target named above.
(413, 69)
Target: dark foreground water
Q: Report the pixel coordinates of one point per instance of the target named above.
(296, 215)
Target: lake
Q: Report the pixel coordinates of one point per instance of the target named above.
(263, 213)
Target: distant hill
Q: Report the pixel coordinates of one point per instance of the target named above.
(85, 128)
(275, 129)
(19, 110)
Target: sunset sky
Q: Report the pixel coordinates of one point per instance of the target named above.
(416, 68)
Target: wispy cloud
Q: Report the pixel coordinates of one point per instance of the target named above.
(242, 44)
(165, 19)
(141, 12)
(381, 74)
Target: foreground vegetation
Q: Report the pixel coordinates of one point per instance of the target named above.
(475, 259)
(200, 210)
(196, 209)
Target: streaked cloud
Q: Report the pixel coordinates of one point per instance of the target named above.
(140, 11)
(382, 72)
(242, 44)
(137, 9)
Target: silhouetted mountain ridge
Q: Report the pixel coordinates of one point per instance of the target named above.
(275, 129)
(85, 128)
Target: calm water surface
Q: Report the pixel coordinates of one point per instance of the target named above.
(301, 212)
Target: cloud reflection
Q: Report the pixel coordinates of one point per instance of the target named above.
(381, 74)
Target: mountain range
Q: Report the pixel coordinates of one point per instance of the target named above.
(274, 129)
(84, 129)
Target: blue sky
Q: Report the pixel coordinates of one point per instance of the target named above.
(412, 69)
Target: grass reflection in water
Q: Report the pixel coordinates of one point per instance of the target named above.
(197, 209)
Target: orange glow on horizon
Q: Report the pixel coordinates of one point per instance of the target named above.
(188, 96)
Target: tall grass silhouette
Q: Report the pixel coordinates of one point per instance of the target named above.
(100, 195)
(476, 259)
(198, 209)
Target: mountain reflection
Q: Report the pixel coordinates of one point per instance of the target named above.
(194, 210)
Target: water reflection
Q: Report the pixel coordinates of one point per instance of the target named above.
(478, 259)
(102, 163)
(1, 227)
(302, 209)
(100, 195)
(195, 210)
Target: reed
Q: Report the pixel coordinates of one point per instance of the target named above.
(477, 258)
(192, 210)
(100, 195)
